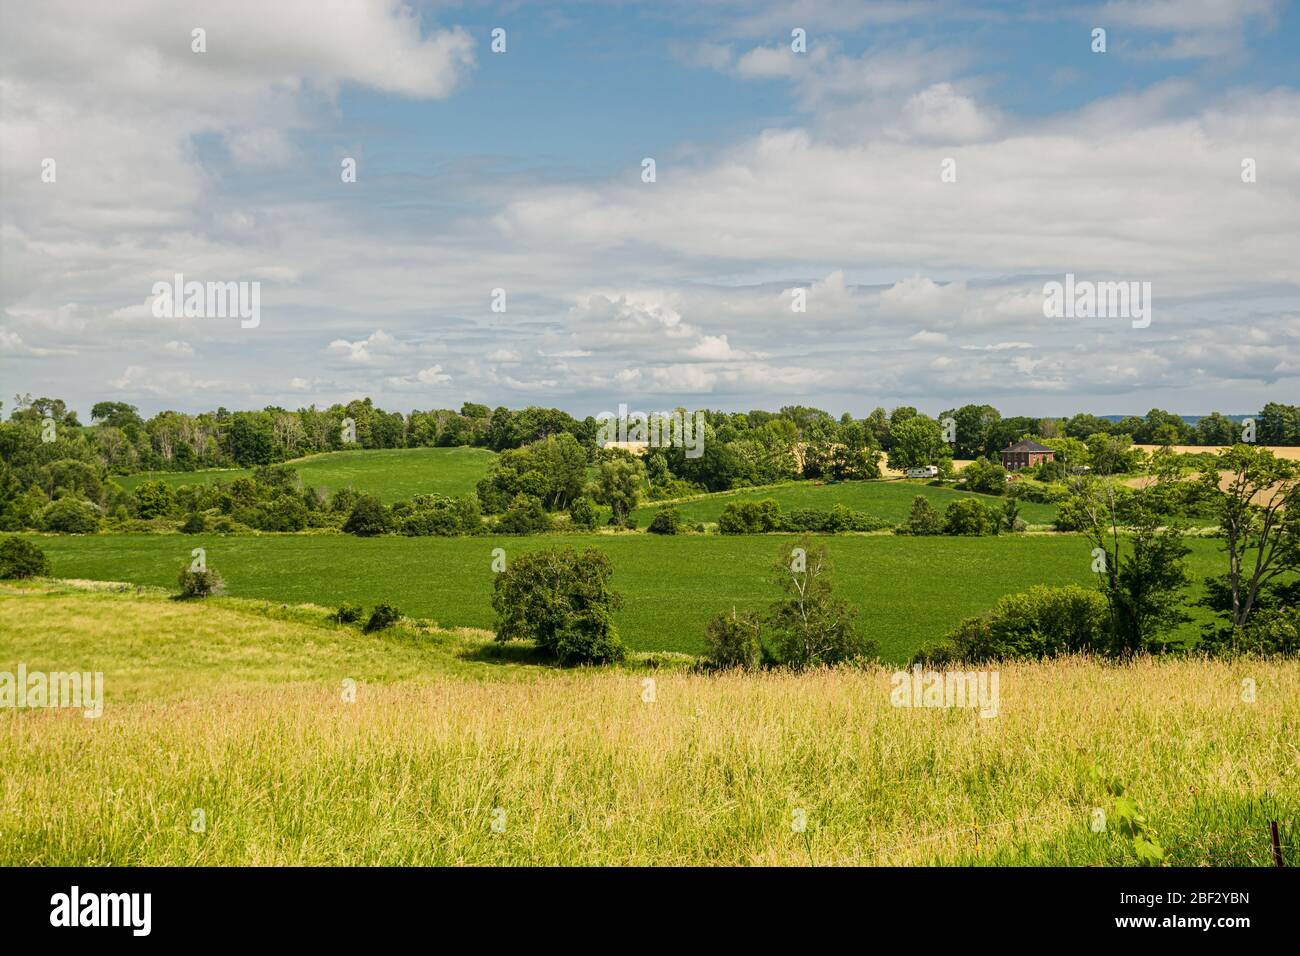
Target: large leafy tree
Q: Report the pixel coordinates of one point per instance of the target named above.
(917, 442)
(560, 599)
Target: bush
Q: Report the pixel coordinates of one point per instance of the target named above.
(922, 520)
(369, 517)
(1038, 623)
(153, 499)
(750, 517)
(384, 615)
(734, 641)
(583, 513)
(811, 626)
(348, 613)
(968, 517)
(985, 476)
(69, 516)
(200, 584)
(526, 515)
(1267, 632)
(438, 514)
(667, 521)
(20, 558)
(560, 599)
(194, 524)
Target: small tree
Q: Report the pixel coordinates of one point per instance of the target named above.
(968, 517)
(526, 515)
(1259, 514)
(200, 584)
(583, 513)
(619, 486)
(561, 600)
(924, 519)
(369, 517)
(70, 516)
(734, 641)
(810, 626)
(666, 521)
(20, 558)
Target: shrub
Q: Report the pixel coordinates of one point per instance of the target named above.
(194, 524)
(20, 558)
(369, 517)
(667, 521)
(384, 615)
(750, 517)
(560, 599)
(348, 613)
(922, 520)
(526, 515)
(1267, 632)
(985, 476)
(968, 517)
(200, 584)
(438, 514)
(1038, 623)
(583, 513)
(734, 641)
(69, 516)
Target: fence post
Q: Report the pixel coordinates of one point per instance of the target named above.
(1277, 844)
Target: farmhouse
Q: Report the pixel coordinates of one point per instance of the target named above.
(1025, 453)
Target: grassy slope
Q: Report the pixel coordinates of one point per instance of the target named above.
(911, 590)
(390, 474)
(225, 709)
(891, 500)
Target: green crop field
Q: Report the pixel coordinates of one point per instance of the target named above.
(910, 590)
(390, 474)
(888, 499)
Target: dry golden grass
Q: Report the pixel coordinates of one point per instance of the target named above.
(584, 771)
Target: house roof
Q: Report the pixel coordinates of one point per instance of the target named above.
(1026, 444)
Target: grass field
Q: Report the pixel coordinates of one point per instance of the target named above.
(222, 708)
(891, 500)
(389, 474)
(911, 590)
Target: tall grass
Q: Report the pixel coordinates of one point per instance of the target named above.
(712, 771)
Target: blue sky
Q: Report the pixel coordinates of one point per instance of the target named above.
(776, 171)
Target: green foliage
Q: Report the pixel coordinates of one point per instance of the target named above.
(619, 486)
(194, 524)
(969, 516)
(200, 584)
(383, 616)
(526, 515)
(369, 517)
(1132, 823)
(750, 517)
(20, 558)
(438, 515)
(917, 442)
(985, 476)
(560, 599)
(582, 513)
(734, 641)
(667, 521)
(811, 626)
(924, 519)
(1038, 623)
(348, 613)
(1269, 632)
(69, 516)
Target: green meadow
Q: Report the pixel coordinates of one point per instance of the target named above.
(910, 590)
(888, 499)
(390, 474)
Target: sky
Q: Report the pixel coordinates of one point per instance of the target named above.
(913, 177)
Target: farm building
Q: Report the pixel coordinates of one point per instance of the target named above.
(1025, 453)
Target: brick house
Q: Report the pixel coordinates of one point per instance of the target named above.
(1025, 453)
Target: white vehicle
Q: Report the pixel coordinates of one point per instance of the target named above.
(929, 471)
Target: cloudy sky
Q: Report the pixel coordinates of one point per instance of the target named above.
(774, 170)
